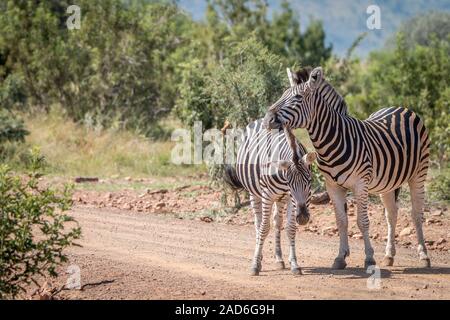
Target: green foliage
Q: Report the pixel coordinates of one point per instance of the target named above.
(318, 182)
(125, 63)
(33, 228)
(281, 35)
(117, 66)
(416, 78)
(194, 102)
(233, 65)
(11, 128)
(412, 76)
(439, 187)
(244, 85)
(12, 92)
(345, 75)
(238, 90)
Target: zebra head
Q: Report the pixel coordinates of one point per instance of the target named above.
(298, 177)
(297, 173)
(295, 108)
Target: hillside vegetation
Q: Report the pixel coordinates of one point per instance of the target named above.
(136, 70)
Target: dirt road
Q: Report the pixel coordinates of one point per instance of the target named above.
(129, 255)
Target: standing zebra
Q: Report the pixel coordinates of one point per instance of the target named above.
(376, 155)
(260, 153)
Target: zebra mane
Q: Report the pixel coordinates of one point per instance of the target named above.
(339, 104)
(302, 75)
(292, 143)
(334, 98)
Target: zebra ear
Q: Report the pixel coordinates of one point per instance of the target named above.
(291, 77)
(316, 77)
(309, 158)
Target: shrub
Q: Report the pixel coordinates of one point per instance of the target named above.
(33, 231)
(11, 128)
(239, 89)
(439, 187)
(247, 83)
(12, 92)
(119, 65)
(413, 77)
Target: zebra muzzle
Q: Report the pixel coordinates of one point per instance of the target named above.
(302, 216)
(271, 121)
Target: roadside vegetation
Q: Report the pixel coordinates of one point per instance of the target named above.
(35, 228)
(72, 149)
(103, 100)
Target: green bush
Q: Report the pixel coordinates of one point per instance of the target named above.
(11, 128)
(414, 77)
(12, 92)
(318, 181)
(245, 85)
(33, 228)
(119, 65)
(239, 90)
(439, 187)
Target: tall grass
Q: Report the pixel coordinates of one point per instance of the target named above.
(73, 149)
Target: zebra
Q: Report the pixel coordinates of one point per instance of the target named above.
(377, 155)
(274, 168)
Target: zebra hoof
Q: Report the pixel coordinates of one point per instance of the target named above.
(256, 269)
(388, 261)
(296, 271)
(280, 265)
(339, 264)
(254, 272)
(369, 262)
(425, 263)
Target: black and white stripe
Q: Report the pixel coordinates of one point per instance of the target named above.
(274, 168)
(377, 155)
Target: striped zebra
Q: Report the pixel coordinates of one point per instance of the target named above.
(377, 155)
(274, 168)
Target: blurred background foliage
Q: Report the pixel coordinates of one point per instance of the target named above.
(135, 64)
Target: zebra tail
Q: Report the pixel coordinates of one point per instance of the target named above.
(230, 177)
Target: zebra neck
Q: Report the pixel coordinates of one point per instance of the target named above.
(328, 133)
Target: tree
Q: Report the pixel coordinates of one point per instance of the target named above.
(120, 65)
(11, 128)
(282, 34)
(314, 51)
(238, 90)
(416, 78)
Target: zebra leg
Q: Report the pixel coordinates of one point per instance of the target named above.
(362, 219)
(262, 233)
(391, 211)
(256, 204)
(338, 197)
(291, 229)
(418, 198)
(278, 222)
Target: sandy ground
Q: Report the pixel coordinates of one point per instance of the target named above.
(202, 203)
(135, 255)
